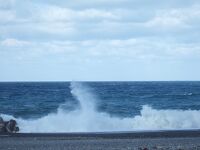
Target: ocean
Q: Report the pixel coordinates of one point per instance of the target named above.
(101, 106)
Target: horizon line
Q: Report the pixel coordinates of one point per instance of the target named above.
(101, 81)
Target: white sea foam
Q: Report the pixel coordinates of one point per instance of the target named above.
(87, 119)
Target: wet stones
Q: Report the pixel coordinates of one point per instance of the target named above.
(8, 126)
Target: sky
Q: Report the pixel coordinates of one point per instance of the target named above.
(99, 40)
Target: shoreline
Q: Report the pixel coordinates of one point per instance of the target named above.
(113, 134)
(139, 140)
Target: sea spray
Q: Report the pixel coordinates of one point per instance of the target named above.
(86, 118)
(166, 119)
(83, 94)
(83, 119)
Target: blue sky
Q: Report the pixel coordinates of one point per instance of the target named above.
(99, 40)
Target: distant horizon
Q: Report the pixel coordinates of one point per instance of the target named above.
(112, 81)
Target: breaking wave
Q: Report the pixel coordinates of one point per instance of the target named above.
(87, 119)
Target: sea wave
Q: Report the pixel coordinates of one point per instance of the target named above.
(86, 118)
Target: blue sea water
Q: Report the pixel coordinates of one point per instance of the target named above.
(101, 106)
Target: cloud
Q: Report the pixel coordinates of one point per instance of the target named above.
(7, 16)
(53, 21)
(110, 33)
(6, 4)
(138, 49)
(124, 4)
(14, 43)
(175, 17)
(55, 13)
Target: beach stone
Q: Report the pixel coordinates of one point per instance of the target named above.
(2, 125)
(11, 126)
(159, 147)
(1, 119)
(8, 126)
(143, 148)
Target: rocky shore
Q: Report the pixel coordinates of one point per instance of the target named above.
(8, 126)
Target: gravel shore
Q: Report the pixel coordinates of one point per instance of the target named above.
(150, 140)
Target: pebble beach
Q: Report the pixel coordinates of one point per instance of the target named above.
(148, 140)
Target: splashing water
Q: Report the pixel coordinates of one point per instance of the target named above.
(86, 118)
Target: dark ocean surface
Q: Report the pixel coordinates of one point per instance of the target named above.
(101, 106)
